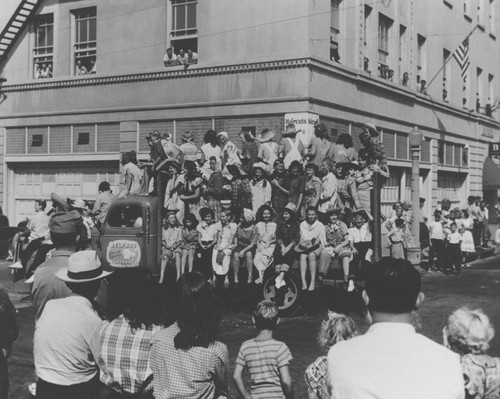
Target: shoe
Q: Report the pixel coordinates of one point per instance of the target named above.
(16, 266)
(350, 286)
(31, 280)
(258, 281)
(9, 258)
(32, 389)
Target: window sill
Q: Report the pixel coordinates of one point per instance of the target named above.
(468, 17)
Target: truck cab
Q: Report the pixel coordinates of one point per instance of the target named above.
(131, 234)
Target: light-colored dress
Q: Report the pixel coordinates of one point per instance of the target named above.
(135, 174)
(266, 242)
(467, 238)
(268, 152)
(227, 232)
(328, 198)
(172, 200)
(261, 193)
(312, 192)
(481, 376)
(171, 241)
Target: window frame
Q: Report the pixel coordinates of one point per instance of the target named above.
(186, 38)
(43, 53)
(335, 29)
(421, 56)
(86, 49)
(384, 31)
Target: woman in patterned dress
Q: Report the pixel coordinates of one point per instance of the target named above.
(266, 241)
(312, 190)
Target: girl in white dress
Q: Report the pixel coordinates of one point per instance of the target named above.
(221, 257)
(266, 241)
(466, 224)
(210, 149)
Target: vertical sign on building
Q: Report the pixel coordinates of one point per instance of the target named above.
(303, 121)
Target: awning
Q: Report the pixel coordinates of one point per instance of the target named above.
(491, 175)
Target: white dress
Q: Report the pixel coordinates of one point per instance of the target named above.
(227, 232)
(266, 242)
(261, 193)
(209, 152)
(467, 238)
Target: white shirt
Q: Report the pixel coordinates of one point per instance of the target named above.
(328, 192)
(39, 226)
(436, 230)
(392, 361)
(260, 194)
(208, 232)
(315, 231)
(66, 344)
(362, 234)
(454, 238)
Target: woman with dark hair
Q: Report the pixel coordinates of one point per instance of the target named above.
(190, 192)
(343, 150)
(131, 175)
(266, 240)
(321, 147)
(364, 180)
(103, 201)
(312, 189)
(297, 184)
(210, 149)
(241, 191)
(346, 188)
(280, 182)
(126, 341)
(186, 360)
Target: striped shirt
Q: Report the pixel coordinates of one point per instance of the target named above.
(264, 359)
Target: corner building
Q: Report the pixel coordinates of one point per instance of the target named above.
(257, 61)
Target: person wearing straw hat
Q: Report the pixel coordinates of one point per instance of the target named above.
(66, 344)
(268, 149)
(86, 234)
(245, 243)
(261, 187)
(188, 147)
(65, 230)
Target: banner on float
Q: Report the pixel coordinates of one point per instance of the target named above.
(305, 122)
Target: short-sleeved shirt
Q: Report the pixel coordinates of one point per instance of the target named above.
(245, 237)
(208, 232)
(264, 359)
(315, 377)
(190, 151)
(171, 237)
(186, 374)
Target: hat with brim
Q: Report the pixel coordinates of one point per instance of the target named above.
(291, 208)
(372, 129)
(167, 136)
(65, 222)
(266, 136)
(79, 204)
(363, 213)
(60, 202)
(290, 132)
(225, 203)
(170, 211)
(83, 267)
(234, 169)
(332, 211)
(306, 247)
(223, 134)
(248, 215)
(260, 165)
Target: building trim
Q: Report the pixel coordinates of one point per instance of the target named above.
(31, 158)
(313, 64)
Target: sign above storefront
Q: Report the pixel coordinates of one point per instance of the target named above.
(303, 121)
(494, 150)
(488, 132)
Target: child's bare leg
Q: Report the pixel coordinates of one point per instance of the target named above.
(163, 267)
(303, 270)
(345, 267)
(312, 270)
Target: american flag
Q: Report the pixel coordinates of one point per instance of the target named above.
(461, 54)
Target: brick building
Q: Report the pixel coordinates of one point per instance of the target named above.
(257, 61)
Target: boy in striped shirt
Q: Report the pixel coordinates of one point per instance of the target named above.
(266, 359)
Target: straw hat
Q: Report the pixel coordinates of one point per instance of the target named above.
(83, 267)
(265, 136)
(80, 204)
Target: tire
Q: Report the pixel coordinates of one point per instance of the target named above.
(291, 294)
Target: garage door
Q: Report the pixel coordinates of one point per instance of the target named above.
(74, 182)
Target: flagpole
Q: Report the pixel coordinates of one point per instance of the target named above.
(448, 59)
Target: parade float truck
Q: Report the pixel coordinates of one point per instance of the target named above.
(130, 236)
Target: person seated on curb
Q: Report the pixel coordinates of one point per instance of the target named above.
(66, 345)
(312, 248)
(391, 360)
(38, 228)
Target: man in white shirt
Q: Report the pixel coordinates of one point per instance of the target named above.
(66, 344)
(312, 248)
(38, 228)
(170, 59)
(392, 361)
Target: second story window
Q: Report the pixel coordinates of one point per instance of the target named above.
(184, 30)
(335, 30)
(384, 29)
(43, 51)
(85, 43)
(421, 63)
(492, 17)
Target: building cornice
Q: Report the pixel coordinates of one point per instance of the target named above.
(313, 64)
